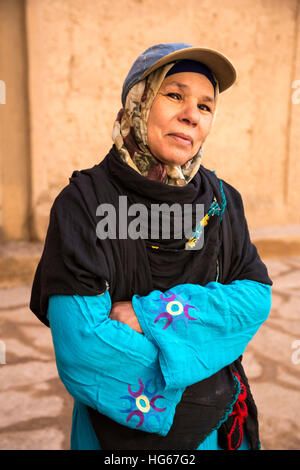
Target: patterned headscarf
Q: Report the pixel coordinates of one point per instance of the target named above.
(130, 134)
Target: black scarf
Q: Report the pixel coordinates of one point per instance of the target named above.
(76, 261)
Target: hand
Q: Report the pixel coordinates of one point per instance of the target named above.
(124, 313)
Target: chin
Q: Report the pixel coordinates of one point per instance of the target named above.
(172, 157)
(175, 160)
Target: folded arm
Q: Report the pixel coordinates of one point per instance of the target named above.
(104, 364)
(199, 330)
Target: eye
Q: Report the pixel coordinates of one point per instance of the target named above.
(176, 96)
(204, 107)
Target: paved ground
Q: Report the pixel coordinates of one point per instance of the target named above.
(35, 409)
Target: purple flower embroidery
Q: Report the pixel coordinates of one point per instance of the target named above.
(142, 404)
(173, 308)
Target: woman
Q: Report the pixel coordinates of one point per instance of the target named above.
(149, 329)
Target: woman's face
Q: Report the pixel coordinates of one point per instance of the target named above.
(180, 117)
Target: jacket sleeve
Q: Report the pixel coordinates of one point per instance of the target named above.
(199, 330)
(107, 365)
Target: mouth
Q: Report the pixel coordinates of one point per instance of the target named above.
(182, 139)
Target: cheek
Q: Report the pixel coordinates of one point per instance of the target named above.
(150, 135)
(155, 126)
(204, 130)
(159, 115)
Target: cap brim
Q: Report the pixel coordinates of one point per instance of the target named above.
(220, 66)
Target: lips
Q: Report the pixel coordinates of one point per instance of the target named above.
(182, 138)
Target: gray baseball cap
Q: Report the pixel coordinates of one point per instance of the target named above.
(161, 54)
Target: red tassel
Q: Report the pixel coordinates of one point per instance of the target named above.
(240, 413)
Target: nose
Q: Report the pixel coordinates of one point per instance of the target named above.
(190, 113)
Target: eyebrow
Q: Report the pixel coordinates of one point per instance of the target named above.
(183, 85)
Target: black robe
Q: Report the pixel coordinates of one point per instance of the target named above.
(76, 261)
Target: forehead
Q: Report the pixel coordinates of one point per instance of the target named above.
(190, 82)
